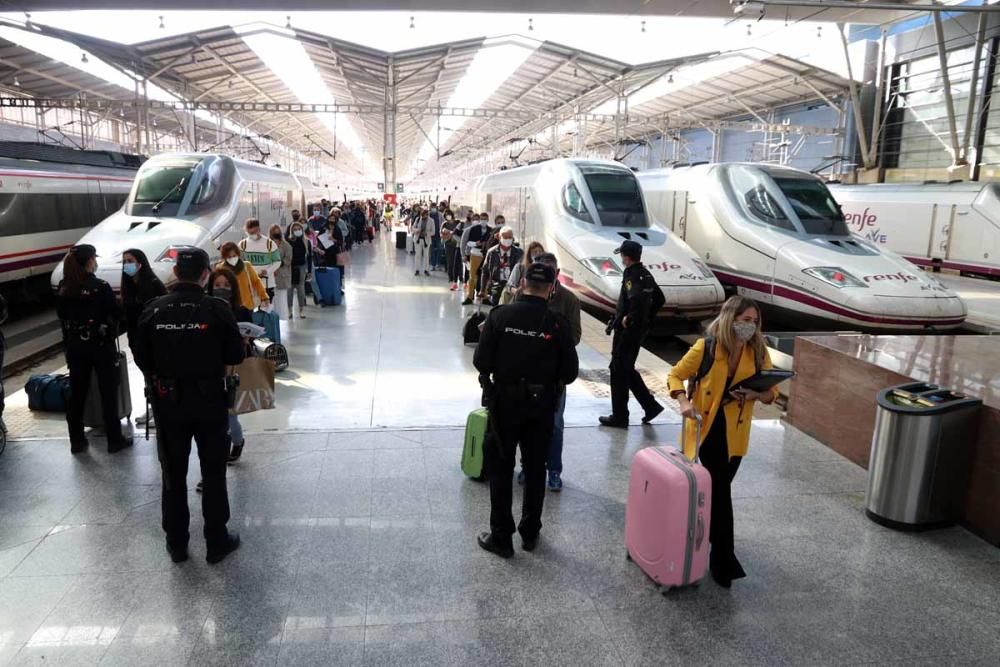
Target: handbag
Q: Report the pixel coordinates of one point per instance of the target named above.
(256, 385)
(343, 259)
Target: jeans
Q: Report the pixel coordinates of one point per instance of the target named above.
(235, 430)
(437, 254)
(300, 290)
(556, 443)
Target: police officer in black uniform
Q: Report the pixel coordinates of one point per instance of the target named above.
(89, 316)
(638, 301)
(525, 358)
(186, 340)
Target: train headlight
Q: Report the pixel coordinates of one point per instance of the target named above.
(833, 275)
(168, 255)
(603, 266)
(705, 271)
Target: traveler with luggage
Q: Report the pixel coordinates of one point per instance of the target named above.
(513, 285)
(638, 302)
(525, 359)
(422, 231)
(331, 247)
(222, 284)
(187, 339)
(89, 316)
(732, 350)
(261, 251)
(283, 274)
(301, 267)
(499, 263)
(139, 286)
(473, 246)
(252, 290)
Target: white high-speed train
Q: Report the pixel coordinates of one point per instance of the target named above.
(581, 210)
(939, 225)
(197, 199)
(776, 235)
(49, 197)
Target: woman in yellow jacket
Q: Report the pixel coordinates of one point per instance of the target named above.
(246, 275)
(726, 415)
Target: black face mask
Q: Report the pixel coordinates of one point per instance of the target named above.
(223, 293)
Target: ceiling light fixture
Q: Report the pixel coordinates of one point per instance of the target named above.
(819, 32)
(531, 25)
(288, 22)
(17, 82)
(83, 57)
(27, 20)
(644, 26)
(412, 26)
(749, 31)
(670, 78)
(162, 25)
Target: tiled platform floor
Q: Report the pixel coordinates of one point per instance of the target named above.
(359, 549)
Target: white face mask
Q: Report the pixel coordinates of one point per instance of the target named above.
(297, 233)
(232, 261)
(506, 243)
(255, 235)
(744, 330)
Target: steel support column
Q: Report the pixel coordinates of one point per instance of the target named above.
(957, 159)
(389, 129)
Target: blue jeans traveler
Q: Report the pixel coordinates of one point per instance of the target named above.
(556, 444)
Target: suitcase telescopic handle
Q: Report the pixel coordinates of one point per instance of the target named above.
(697, 435)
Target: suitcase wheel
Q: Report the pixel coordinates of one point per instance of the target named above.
(628, 556)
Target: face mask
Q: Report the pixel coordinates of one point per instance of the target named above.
(484, 223)
(130, 268)
(255, 235)
(232, 261)
(506, 243)
(297, 233)
(744, 330)
(223, 293)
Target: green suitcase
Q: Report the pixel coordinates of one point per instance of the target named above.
(475, 436)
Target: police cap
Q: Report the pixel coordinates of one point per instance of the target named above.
(629, 249)
(540, 273)
(83, 252)
(192, 259)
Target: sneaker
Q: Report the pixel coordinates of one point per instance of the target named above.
(453, 287)
(427, 273)
(467, 302)
(555, 482)
(520, 477)
(200, 486)
(416, 273)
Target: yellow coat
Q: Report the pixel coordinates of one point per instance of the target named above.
(709, 394)
(250, 284)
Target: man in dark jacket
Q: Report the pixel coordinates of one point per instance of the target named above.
(525, 359)
(638, 301)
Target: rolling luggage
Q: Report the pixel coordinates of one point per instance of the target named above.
(667, 515)
(400, 240)
(326, 281)
(271, 323)
(276, 352)
(476, 427)
(93, 416)
(47, 393)
(470, 332)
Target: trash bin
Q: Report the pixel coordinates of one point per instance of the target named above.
(921, 456)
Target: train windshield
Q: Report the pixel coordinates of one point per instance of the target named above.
(164, 184)
(813, 205)
(616, 195)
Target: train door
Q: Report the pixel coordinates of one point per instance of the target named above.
(942, 219)
(255, 200)
(679, 215)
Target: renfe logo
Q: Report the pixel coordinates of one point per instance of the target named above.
(663, 266)
(858, 221)
(905, 277)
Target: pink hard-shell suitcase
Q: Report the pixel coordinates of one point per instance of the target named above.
(667, 515)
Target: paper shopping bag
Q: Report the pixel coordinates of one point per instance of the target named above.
(256, 389)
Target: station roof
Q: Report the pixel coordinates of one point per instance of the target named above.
(549, 84)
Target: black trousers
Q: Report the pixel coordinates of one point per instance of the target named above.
(453, 262)
(528, 424)
(201, 415)
(84, 358)
(715, 457)
(624, 378)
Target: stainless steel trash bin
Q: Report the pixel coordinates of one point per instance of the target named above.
(921, 456)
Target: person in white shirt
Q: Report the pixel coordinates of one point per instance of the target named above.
(260, 251)
(423, 230)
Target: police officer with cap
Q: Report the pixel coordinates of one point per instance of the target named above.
(186, 340)
(89, 316)
(638, 301)
(525, 358)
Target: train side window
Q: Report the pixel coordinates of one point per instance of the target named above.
(573, 203)
(13, 222)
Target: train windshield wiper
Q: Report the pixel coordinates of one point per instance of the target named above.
(180, 184)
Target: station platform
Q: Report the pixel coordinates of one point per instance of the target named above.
(982, 297)
(359, 532)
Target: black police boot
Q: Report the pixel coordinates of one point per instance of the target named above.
(78, 446)
(487, 542)
(217, 552)
(613, 422)
(178, 554)
(119, 444)
(652, 414)
(529, 543)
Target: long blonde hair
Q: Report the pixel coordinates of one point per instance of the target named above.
(721, 328)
